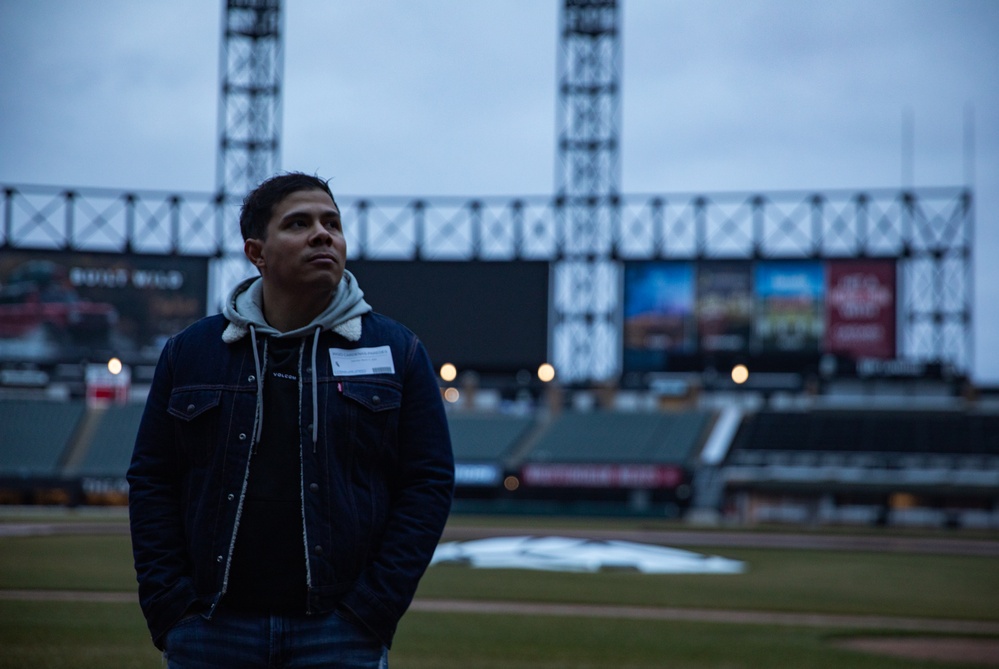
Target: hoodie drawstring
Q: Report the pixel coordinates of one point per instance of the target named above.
(258, 367)
(260, 384)
(315, 390)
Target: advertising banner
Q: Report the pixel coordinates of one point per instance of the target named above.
(860, 308)
(658, 312)
(476, 474)
(789, 306)
(646, 476)
(60, 306)
(724, 306)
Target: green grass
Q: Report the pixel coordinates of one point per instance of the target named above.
(92, 635)
(49, 635)
(446, 641)
(37, 635)
(66, 562)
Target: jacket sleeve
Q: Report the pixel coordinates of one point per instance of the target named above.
(422, 490)
(162, 564)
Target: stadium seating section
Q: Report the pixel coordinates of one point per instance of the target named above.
(928, 457)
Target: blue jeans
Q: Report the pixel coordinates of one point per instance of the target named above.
(235, 641)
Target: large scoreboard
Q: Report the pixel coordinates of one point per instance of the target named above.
(487, 316)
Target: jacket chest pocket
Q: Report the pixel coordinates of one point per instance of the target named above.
(196, 417)
(372, 411)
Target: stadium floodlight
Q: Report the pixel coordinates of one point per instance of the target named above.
(448, 372)
(740, 374)
(546, 373)
(115, 366)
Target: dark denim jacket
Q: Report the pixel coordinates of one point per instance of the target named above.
(376, 487)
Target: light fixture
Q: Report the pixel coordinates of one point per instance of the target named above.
(740, 374)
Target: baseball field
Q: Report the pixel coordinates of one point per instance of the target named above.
(843, 599)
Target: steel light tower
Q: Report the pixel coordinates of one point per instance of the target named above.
(250, 101)
(251, 66)
(585, 334)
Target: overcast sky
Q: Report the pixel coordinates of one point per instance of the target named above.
(458, 97)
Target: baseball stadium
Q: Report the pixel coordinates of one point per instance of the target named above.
(700, 430)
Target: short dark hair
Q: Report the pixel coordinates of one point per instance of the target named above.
(259, 205)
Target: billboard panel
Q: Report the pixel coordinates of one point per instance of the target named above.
(860, 308)
(658, 312)
(61, 306)
(724, 306)
(782, 314)
(789, 309)
(477, 474)
(479, 315)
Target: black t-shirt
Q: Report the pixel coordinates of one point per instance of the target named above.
(267, 574)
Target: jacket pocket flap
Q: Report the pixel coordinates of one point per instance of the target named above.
(189, 404)
(374, 396)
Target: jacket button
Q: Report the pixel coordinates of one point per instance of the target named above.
(318, 549)
(251, 378)
(230, 497)
(190, 408)
(218, 558)
(242, 436)
(375, 399)
(313, 487)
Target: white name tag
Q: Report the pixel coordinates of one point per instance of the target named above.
(358, 361)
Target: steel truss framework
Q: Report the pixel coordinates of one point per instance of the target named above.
(929, 232)
(250, 98)
(587, 176)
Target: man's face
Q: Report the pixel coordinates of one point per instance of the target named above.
(304, 249)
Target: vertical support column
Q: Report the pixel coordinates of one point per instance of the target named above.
(251, 66)
(8, 216)
(937, 279)
(586, 332)
(968, 287)
(250, 102)
(69, 202)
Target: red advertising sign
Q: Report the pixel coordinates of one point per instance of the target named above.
(860, 308)
(602, 476)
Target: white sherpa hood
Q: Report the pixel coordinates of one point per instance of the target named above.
(244, 308)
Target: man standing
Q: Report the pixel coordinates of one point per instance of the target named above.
(292, 473)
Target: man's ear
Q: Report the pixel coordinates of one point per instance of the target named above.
(253, 249)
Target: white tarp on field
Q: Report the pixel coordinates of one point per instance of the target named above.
(580, 555)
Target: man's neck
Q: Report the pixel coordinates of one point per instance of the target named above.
(286, 313)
